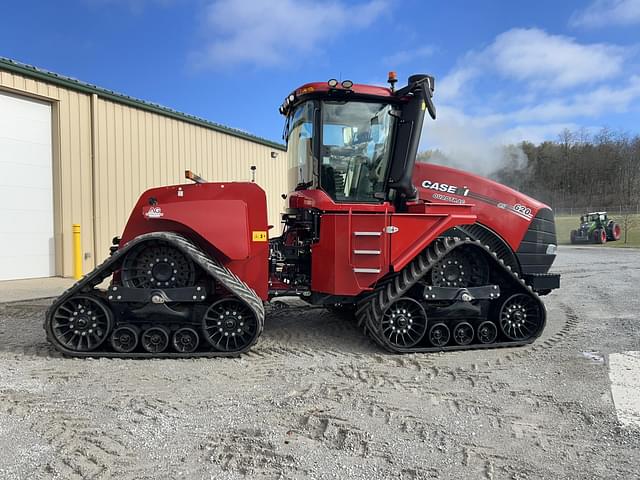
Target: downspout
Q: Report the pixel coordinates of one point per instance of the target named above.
(94, 142)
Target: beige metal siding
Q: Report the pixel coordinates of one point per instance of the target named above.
(137, 150)
(132, 150)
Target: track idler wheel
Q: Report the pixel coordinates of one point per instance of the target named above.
(487, 332)
(157, 265)
(520, 317)
(82, 323)
(125, 339)
(155, 339)
(185, 340)
(229, 325)
(439, 335)
(404, 323)
(463, 333)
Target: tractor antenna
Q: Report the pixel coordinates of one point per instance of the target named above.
(253, 173)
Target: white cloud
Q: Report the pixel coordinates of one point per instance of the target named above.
(555, 61)
(540, 60)
(602, 13)
(590, 103)
(268, 32)
(454, 84)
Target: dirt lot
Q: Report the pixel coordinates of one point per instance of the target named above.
(315, 399)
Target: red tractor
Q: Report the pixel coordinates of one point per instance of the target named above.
(426, 258)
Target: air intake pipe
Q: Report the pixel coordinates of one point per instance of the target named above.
(419, 90)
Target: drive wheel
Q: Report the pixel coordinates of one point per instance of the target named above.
(463, 333)
(157, 265)
(82, 323)
(404, 323)
(439, 335)
(520, 317)
(229, 325)
(487, 332)
(600, 236)
(616, 231)
(155, 339)
(185, 340)
(460, 268)
(125, 339)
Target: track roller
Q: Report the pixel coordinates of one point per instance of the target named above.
(82, 323)
(487, 332)
(463, 333)
(155, 339)
(229, 325)
(439, 335)
(125, 339)
(185, 340)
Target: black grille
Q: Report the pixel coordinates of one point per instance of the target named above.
(532, 253)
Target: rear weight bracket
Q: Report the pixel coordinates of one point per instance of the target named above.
(486, 292)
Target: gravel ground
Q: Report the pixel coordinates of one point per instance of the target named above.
(315, 399)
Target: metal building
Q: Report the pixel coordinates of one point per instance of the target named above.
(72, 153)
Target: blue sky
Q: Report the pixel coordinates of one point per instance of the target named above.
(506, 70)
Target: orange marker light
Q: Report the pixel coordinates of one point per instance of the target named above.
(392, 79)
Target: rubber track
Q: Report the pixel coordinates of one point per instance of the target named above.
(370, 309)
(224, 276)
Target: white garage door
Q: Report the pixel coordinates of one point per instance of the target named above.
(26, 189)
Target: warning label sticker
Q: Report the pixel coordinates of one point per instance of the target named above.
(259, 236)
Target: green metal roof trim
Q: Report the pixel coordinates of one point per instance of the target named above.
(73, 84)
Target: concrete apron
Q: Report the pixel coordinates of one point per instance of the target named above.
(33, 288)
(624, 372)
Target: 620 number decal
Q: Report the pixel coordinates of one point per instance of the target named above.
(522, 209)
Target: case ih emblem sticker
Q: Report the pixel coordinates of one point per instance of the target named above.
(518, 209)
(445, 187)
(154, 212)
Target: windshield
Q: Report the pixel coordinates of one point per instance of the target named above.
(355, 150)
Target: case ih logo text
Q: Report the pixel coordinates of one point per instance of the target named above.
(154, 212)
(445, 187)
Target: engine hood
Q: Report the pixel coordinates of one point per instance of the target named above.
(506, 211)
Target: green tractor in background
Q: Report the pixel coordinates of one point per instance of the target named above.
(596, 227)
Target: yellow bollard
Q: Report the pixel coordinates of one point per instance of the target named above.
(77, 252)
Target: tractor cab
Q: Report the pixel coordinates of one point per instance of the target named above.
(356, 143)
(351, 150)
